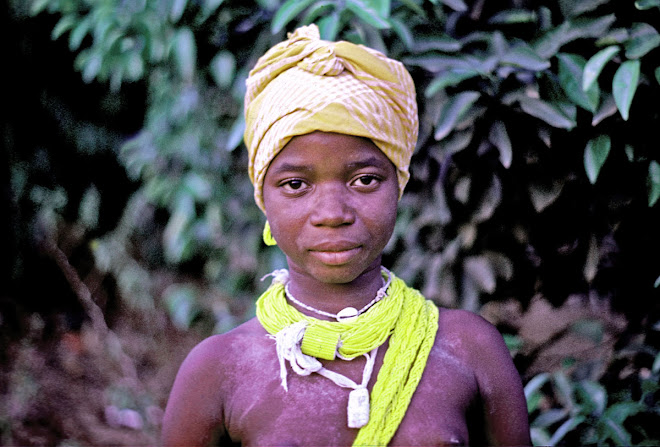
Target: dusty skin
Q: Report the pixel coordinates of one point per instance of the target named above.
(332, 216)
(229, 392)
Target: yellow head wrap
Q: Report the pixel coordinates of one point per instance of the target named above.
(305, 84)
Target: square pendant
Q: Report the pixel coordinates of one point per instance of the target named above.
(358, 408)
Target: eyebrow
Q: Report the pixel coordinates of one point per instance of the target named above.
(359, 164)
(367, 162)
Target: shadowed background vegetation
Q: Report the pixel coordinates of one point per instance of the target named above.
(130, 230)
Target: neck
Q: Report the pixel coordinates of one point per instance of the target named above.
(333, 297)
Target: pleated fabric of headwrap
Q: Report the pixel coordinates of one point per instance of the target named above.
(306, 84)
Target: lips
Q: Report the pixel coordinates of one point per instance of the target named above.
(335, 253)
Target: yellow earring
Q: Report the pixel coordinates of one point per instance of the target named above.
(267, 236)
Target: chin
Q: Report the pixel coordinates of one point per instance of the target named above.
(335, 274)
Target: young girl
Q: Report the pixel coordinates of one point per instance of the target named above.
(341, 352)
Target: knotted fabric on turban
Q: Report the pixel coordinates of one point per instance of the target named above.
(305, 84)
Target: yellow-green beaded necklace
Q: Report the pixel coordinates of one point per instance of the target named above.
(405, 315)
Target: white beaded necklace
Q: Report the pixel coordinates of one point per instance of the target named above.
(346, 313)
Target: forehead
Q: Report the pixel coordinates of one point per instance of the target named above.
(330, 148)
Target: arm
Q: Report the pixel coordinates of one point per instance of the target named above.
(193, 416)
(504, 405)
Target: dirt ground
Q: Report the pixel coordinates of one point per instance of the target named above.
(69, 388)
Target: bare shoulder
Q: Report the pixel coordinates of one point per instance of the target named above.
(205, 379)
(222, 350)
(476, 341)
(471, 329)
(480, 345)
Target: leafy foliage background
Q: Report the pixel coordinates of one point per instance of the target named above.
(534, 185)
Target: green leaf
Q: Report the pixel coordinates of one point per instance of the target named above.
(510, 16)
(452, 111)
(616, 36)
(595, 395)
(643, 38)
(656, 284)
(524, 56)
(607, 108)
(382, 7)
(647, 4)
(615, 431)
(539, 436)
(655, 369)
(223, 68)
(403, 31)
(595, 65)
(500, 139)
(589, 328)
(546, 112)
(268, 5)
(78, 33)
(63, 25)
(176, 11)
(318, 9)
(414, 6)
(367, 13)
(571, 67)
(92, 67)
(563, 389)
(657, 74)
(650, 386)
(439, 63)
(621, 411)
(513, 342)
(236, 133)
(575, 8)
(447, 79)
(624, 86)
(287, 12)
(445, 44)
(595, 154)
(456, 5)
(536, 383)
(549, 417)
(37, 6)
(480, 271)
(181, 302)
(134, 66)
(630, 152)
(533, 402)
(543, 196)
(549, 44)
(185, 53)
(209, 7)
(88, 211)
(654, 182)
(329, 26)
(565, 428)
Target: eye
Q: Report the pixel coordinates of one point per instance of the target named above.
(366, 180)
(293, 185)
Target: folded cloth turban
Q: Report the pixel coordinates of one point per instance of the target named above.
(306, 84)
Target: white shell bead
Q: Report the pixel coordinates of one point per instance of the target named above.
(347, 313)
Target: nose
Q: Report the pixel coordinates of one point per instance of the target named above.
(332, 206)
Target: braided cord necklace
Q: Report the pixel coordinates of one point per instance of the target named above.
(404, 314)
(348, 312)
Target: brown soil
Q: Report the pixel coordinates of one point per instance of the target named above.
(69, 389)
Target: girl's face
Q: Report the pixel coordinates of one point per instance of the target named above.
(331, 203)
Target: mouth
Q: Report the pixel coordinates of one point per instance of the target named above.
(335, 255)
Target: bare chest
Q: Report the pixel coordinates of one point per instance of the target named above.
(258, 411)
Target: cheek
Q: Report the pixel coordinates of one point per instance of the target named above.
(382, 220)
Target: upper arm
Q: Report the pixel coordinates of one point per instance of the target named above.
(500, 386)
(193, 415)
